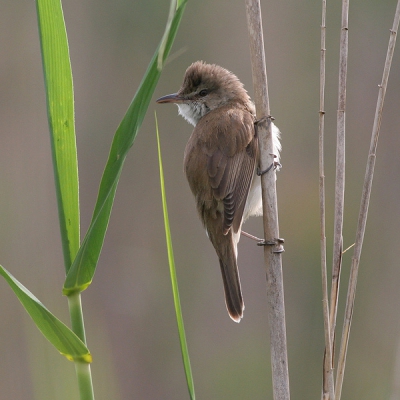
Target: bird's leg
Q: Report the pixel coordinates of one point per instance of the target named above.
(252, 236)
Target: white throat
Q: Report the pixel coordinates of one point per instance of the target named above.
(192, 112)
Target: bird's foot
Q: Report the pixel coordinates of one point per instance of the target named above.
(259, 172)
(274, 165)
(262, 242)
(278, 242)
(267, 119)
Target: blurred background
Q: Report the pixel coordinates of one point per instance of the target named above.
(129, 314)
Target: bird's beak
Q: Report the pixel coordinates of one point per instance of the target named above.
(170, 98)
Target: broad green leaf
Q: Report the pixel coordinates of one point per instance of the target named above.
(60, 110)
(56, 332)
(174, 280)
(81, 273)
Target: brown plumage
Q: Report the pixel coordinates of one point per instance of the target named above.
(219, 162)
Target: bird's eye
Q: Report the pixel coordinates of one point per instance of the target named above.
(203, 92)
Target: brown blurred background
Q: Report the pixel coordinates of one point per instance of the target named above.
(129, 312)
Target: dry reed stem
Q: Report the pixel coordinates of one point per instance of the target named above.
(340, 169)
(328, 379)
(395, 395)
(273, 259)
(363, 213)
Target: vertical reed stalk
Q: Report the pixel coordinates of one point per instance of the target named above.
(363, 213)
(328, 381)
(340, 169)
(272, 253)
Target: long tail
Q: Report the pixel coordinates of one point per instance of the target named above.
(226, 248)
(233, 292)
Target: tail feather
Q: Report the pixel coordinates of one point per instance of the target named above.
(233, 292)
(226, 247)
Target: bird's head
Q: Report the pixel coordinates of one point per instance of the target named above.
(207, 87)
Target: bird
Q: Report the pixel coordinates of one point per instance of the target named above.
(220, 163)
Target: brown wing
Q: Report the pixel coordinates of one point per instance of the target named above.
(232, 152)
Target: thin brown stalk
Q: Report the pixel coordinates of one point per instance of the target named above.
(395, 395)
(363, 213)
(328, 381)
(340, 169)
(272, 254)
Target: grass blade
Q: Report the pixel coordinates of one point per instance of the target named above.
(60, 109)
(56, 332)
(174, 280)
(81, 273)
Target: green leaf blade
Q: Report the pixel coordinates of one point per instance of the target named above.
(82, 271)
(55, 331)
(174, 280)
(60, 109)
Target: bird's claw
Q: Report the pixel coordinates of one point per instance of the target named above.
(276, 242)
(274, 165)
(267, 118)
(259, 172)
